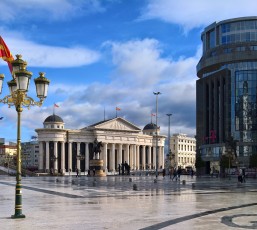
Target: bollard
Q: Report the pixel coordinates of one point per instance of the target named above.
(183, 182)
(134, 187)
(155, 181)
(130, 179)
(193, 185)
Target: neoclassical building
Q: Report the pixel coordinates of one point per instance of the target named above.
(63, 150)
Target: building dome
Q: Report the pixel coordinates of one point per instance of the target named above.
(150, 126)
(53, 118)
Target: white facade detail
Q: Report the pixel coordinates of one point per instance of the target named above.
(184, 148)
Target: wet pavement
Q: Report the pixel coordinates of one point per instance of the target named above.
(130, 202)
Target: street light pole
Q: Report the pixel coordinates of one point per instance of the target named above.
(169, 115)
(18, 87)
(156, 131)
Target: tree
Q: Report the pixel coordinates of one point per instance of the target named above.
(199, 163)
(224, 162)
(253, 161)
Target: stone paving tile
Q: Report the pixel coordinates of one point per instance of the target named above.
(111, 203)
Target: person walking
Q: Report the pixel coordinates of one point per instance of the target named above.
(179, 172)
(175, 174)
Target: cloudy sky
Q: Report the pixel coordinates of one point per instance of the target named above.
(103, 54)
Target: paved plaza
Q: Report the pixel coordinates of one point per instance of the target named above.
(130, 202)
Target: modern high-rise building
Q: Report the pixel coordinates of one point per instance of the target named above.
(226, 98)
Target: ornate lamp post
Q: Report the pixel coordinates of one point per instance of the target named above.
(18, 87)
(156, 132)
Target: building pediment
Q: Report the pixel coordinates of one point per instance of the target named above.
(117, 124)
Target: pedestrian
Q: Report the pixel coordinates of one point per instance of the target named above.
(126, 167)
(163, 173)
(122, 168)
(179, 172)
(93, 171)
(243, 175)
(119, 168)
(192, 173)
(77, 172)
(175, 174)
(240, 175)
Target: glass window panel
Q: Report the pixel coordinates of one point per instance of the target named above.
(233, 38)
(253, 37)
(237, 39)
(223, 41)
(247, 37)
(242, 37)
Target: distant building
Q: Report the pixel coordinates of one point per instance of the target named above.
(7, 152)
(30, 154)
(60, 148)
(184, 148)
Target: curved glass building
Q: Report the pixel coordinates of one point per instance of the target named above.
(226, 91)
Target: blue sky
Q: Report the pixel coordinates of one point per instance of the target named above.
(106, 53)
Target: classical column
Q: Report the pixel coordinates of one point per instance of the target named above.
(70, 156)
(119, 158)
(137, 157)
(105, 156)
(55, 156)
(47, 156)
(149, 156)
(143, 157)
(62, 157)
(86, 156)
(41, 156)
(112, 158)
(161, 157)
(131, 160)
(154, 157)
(78, 153)
(134, 157)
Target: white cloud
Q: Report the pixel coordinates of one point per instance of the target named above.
(38, 55)
(47, 9)
(197, 13)
(175, 79)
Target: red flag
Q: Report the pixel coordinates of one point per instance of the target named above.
(55, 105)
(5, 53)
(118, 109)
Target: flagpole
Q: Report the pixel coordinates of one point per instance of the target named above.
(104, 113)
(116, 112)
(54, 110)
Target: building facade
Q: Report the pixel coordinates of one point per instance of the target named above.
(64, 150)
(226, 92)
(30, 154)
(184, 150)
(8, 152)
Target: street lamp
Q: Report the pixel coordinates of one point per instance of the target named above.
(18, 88)
(169, 115)
(156, 132)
